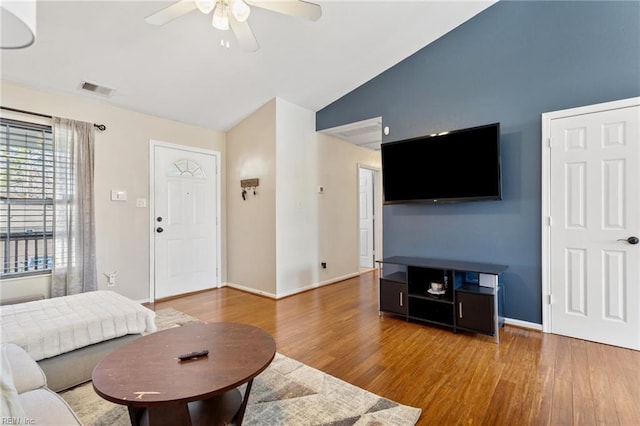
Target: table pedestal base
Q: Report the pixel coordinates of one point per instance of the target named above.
(219, 410)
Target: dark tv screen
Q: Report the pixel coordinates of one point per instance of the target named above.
(462, 165)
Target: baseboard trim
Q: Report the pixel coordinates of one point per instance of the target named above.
(249, 290)
(316, 285)
(523, 324)
(291, 292)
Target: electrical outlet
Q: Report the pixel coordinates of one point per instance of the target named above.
(111, 278)
(324, 265)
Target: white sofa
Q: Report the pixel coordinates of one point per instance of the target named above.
(26, 399)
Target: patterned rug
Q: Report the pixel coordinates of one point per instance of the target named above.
(286, 393)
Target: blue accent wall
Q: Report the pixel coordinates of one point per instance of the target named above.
(509, 64)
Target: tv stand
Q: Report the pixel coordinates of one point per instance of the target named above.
(471, 298)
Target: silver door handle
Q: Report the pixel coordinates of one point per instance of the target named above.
(460, 309)
(401, 299)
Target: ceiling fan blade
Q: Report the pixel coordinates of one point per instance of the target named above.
(170, 13)
(298, 8)
(244, 35)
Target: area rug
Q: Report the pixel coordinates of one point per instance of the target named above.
(169, 318)
(286, 393)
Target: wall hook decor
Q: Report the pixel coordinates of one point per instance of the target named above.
(251, 184)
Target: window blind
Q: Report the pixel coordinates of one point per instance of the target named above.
(26, 197)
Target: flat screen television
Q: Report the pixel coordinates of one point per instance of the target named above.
(456, 166)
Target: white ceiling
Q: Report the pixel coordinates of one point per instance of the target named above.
(366, 133)
(179, 71)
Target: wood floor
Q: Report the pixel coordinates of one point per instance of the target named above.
(530, 378)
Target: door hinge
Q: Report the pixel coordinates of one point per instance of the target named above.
(549, 142)
(550, 299)
(549, 221)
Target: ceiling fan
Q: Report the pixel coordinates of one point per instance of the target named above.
(234, 13)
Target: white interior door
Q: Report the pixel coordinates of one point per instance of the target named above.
(185, 235)
(366, 218)
(594, 210)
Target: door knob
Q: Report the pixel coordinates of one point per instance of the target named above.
(159, 229)
(159, 219)
(631, 240)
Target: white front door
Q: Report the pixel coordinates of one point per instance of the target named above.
(366, 218)
(594, 205)
(185, 198)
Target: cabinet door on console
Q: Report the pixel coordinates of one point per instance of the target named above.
(393, 297)
(475, 312)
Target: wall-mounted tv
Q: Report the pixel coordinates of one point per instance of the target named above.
(455, 166)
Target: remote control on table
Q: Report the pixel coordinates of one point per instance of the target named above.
(195, 354)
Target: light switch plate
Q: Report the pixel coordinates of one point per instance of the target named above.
(118, 195)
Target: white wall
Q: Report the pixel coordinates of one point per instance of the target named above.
(338, 208)
(39, 285)
(297, 199)
(122, 162)
(272, 243)
(251, 225)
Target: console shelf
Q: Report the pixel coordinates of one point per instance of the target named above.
(459, 295)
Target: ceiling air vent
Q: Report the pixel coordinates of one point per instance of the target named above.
(96, 88)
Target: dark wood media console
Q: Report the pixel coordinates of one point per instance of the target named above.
(460, 295)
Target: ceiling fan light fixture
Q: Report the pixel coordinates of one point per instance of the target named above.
(205, 6)
(240, 10)
(231, 14)
(18, 24)
(220, 18)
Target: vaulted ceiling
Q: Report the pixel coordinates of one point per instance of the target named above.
(181, 72)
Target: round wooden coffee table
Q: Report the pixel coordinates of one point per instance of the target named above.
(147, 376)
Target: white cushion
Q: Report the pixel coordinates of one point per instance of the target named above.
(27, 373)
(45, 407)
(11, 406)
(50, 327)
(25, 397)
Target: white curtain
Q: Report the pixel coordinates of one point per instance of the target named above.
(74, 266)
